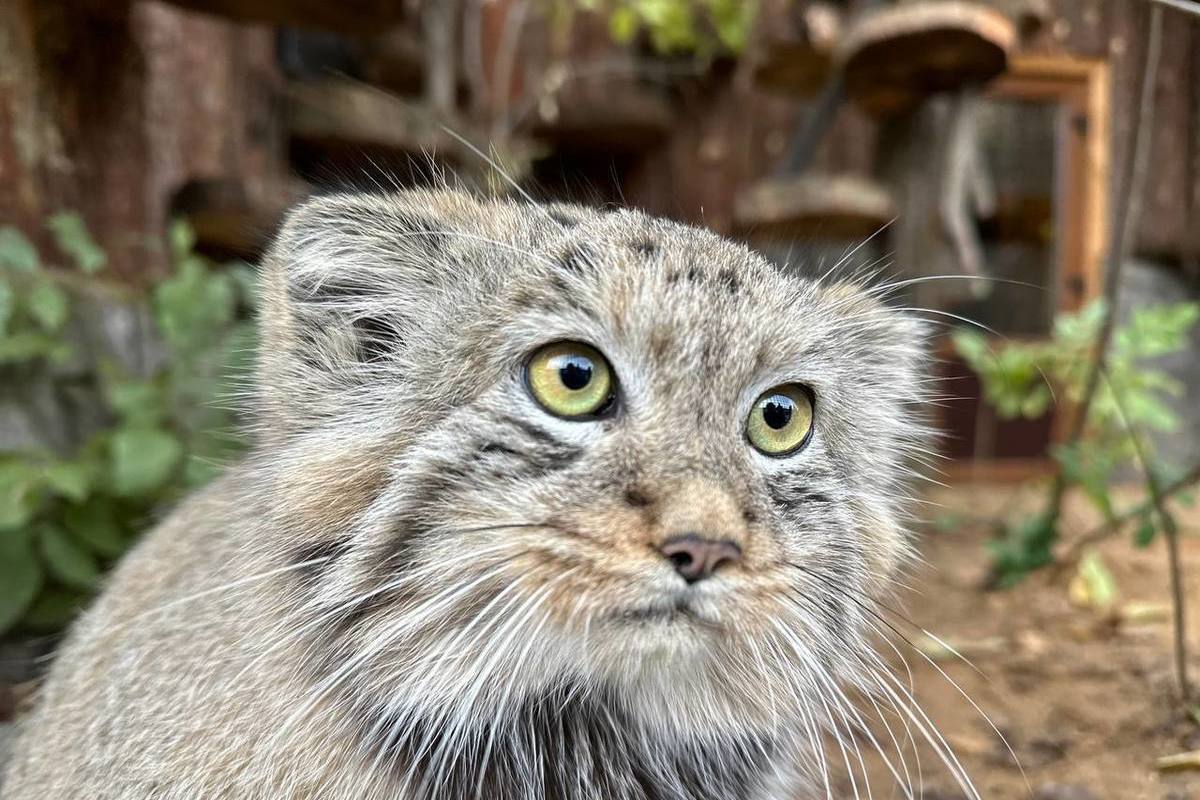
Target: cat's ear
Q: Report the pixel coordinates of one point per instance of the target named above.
(348, 278)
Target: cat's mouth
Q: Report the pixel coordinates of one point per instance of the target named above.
(677, 610)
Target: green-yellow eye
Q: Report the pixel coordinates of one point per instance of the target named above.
(570, 380)
(781, 420)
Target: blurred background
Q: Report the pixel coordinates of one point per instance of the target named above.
(1024, 174)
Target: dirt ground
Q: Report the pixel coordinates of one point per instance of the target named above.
(1087, 700)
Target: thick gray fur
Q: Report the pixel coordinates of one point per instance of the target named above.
(419, 584)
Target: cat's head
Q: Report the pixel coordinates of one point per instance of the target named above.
(519, 450)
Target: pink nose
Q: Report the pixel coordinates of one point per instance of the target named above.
(695, 558)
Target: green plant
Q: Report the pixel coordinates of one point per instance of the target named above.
(1130, 404)
(117, 430)
(672, 26)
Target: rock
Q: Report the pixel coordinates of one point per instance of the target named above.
(1063, 791)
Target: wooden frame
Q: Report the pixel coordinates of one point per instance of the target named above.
(1081, 88)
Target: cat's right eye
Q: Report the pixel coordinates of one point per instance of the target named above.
(570, 380)
(781, 420)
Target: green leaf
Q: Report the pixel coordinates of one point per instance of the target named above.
(20, 577)
(181, 238)
(95, 526)
(143, 459)
(1094, 585)
(194, 306)
(66, 560)
(72, 237)
(623, 24)
(137, 401)
(70, 479)
(48, 305)
(16, 251)
(8, 305)
(54, 608)
(1145, 532)
(30, 345)
(246, 280)
(20, 497)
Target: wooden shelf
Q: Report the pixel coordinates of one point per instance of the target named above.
(339, 129)
(355, 16)
(841, 207)
(894, 57)
(626, 119)
(335, 114)
(227, 222)
(394, 61)
(794, 46)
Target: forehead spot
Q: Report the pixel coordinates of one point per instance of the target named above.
(563, 219)
(645, 247)
(576, 259)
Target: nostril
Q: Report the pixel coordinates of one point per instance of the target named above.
(682, 560)
(695, 558)
(729, 553)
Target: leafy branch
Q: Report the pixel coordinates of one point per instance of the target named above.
(110, 439)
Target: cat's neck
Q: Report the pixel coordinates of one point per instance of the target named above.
(568, 745)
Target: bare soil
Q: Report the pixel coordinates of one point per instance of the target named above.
(1086, 698)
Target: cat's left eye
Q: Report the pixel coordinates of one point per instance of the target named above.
(781, 420)
(570, 380)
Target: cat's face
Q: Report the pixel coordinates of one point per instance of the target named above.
(604, 452)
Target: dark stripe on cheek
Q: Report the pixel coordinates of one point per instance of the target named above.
(792, 495)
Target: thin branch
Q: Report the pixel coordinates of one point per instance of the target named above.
(956, 199)
(1170, 529)
(438, 21)
(1114, 525)
(808, 137)
(505, 66)
(1125, 224)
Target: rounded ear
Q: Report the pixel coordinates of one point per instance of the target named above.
(342, 287)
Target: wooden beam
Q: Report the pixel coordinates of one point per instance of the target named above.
(344, 15)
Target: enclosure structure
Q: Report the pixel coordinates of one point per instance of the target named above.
(224, 113)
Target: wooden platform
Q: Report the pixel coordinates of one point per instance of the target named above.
(627, 119)
(894, 57)
(814, 206)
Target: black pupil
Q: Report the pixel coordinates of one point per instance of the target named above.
(575, 372)
(777, 411)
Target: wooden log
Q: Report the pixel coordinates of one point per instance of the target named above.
(840, 207)
(894, 57)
